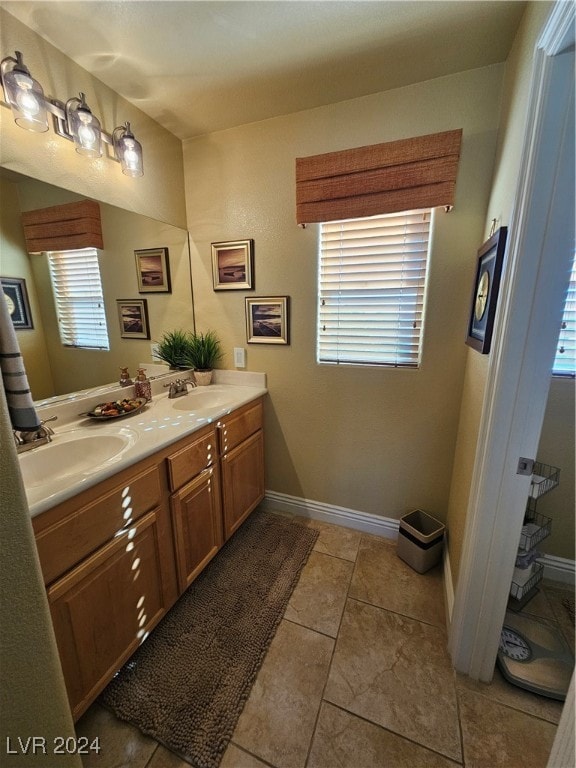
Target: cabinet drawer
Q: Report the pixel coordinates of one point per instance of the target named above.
(70, 540)
(236, 428)
(191, 460)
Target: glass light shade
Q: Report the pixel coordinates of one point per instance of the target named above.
(84, 127)
(25, 96)
(128, 151)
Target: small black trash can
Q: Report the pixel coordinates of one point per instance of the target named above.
(420, 540)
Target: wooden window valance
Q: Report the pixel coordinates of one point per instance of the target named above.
(65, 227)
(382, 178)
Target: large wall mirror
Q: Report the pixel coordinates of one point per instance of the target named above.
(56, 370)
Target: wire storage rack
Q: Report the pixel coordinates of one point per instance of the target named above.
(528, 572)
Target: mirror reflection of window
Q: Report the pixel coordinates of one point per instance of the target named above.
(565, 362)
(79, 298)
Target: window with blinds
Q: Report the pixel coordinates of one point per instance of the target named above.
(79, 300)
(565, 362)
(372, 280)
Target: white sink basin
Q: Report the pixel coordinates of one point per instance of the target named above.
(205, 398)
(76, 452)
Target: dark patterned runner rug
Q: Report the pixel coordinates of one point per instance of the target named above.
(187, 684)
(568, 603)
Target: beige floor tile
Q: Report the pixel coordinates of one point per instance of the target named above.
(278, 719)
(336, 540)
(163, 758)
(234, 757)
(555, 594)
(539, 606)
(319, 597)
(395, 672)
(500, 690)
(496, 736)
(121, 744)
(382, 578)
(346, 741)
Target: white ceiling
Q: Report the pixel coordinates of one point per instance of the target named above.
(197, 66)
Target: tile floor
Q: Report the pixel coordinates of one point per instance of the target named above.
(358, 676)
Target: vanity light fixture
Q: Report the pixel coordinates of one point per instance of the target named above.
(24, 94)
(73, 120)
(83, 127)
(128, 150)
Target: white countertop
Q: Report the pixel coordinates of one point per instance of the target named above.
(161, 422)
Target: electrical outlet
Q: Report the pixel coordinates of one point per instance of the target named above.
(239, 357)
(153, 351)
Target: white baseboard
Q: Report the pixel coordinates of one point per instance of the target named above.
(328, 513)
(558, 569)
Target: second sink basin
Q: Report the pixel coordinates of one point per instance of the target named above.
(74, 453)
(205, 398)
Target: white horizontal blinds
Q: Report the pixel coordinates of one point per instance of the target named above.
(371, 289)
(79, 299)
(565, 362)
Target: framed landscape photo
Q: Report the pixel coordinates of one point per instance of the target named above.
(232, 265)
(485, 293)
(267, 320)
(153, 270)
(16, 297)
(133, 318)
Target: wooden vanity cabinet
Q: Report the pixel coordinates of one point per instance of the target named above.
(117, 556)
(108, 565)
(194, 476)
(241, 445)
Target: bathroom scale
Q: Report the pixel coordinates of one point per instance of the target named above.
(534, 655)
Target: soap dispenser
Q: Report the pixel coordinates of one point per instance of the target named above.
(142, 386)
(125, 380)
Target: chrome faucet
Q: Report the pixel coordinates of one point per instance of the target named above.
(179, 387)
(26, 441)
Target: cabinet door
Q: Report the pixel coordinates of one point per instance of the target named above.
(197, 519)
(242, 481)
(106, 606)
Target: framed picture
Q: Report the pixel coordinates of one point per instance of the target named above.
(232, 265)
(16, 297)
(153, 270)
(485, 294)
(267, 320)
(133, 317)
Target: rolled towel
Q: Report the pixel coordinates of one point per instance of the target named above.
(18, 395)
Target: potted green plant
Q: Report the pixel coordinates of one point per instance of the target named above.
(203, 353)
(173, 348)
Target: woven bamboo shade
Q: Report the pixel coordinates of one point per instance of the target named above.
(382, 178)
(63, 227)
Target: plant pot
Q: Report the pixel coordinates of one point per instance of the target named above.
(203, 378)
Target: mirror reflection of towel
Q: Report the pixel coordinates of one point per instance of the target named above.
(18, 396)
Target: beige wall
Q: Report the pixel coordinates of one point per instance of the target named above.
(559, 420)
(557, 448)
(48, 157)
(376, 440)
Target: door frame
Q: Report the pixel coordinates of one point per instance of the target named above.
(528, 317)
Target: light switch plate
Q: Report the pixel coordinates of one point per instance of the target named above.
(239, 357)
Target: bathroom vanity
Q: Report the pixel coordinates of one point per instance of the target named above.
(120, 546)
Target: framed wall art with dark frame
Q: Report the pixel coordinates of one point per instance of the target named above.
(16, 297)
(485, 294)
(133, 318)
(153, 270)
(233, 265)
(267, 320)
